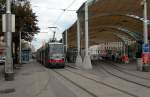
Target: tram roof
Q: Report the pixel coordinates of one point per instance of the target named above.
(108, 18)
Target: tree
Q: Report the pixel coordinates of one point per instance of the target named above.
(24, 45)
(26, 22)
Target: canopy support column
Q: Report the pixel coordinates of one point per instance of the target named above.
(87, 61)
(78, 59)
(146, 66)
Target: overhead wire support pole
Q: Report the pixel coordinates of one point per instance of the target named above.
(9, 74)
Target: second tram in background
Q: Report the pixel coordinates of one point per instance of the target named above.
(51, 55)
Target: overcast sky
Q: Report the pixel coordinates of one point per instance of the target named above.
(50, 14)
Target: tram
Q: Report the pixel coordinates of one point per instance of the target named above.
(51, 55)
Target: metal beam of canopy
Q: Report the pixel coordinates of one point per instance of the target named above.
(133, 7)
(97, 34)
(126, 16)
(134, 35)
(131, 23)
(109, 36)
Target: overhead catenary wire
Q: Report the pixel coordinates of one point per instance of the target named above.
(59, 17)
(62, 9)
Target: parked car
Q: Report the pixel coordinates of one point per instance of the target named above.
(2, 60)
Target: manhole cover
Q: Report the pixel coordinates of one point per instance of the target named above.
(6, 91)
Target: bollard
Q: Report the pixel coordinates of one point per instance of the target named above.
(139, 64)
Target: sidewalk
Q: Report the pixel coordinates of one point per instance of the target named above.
(1, 71)
(30, 79)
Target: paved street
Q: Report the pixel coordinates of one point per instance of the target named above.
(34, 80)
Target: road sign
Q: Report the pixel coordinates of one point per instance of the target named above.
(145, 55)
(4, 22)
(146, 48)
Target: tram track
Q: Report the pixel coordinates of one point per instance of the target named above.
(45, 86)
(89, 92)
(52, 72)
(102, 83)
(49, 71)
(73, 71)
(123, 78)
(126, 72)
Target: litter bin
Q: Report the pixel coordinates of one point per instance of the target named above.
(139, 64)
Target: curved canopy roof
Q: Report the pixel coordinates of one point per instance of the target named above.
(108, 19)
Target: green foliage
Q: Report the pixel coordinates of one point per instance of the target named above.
(26, 21)
(2, 1)
(24, 44)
